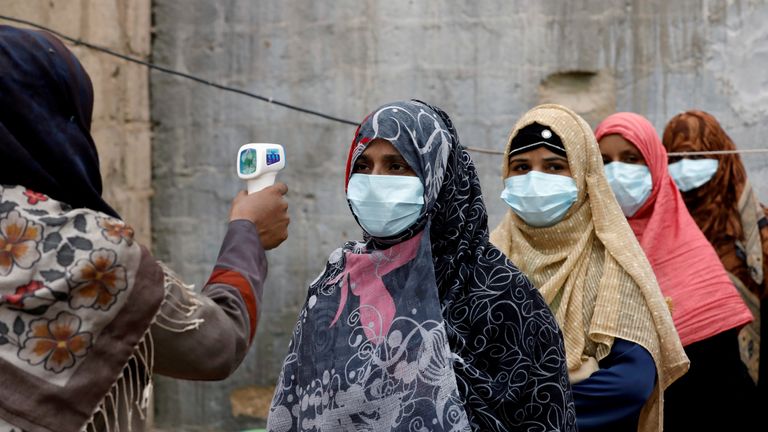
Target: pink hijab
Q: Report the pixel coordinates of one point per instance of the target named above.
(704, 302)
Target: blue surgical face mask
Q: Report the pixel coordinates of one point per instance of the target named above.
(631, 184)
(385, 205)
(540, 199)
(689, 174)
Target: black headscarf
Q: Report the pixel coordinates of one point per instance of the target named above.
(433, 329)
(534, 136)
(46, 103)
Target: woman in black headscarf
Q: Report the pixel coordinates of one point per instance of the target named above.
(86, 314)
(424, 325)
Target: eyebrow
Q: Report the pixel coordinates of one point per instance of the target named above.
(518, 159)
(555, 158)
(394, 158)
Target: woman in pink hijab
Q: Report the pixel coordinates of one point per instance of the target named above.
(706, 308)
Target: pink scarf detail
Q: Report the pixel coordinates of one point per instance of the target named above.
(363, 277)
(704, 300)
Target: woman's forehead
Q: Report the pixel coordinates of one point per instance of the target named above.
(540, 152)
(617, 140)
(380, 146)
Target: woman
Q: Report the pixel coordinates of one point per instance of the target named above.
(706, 308)
(86, 314)
(423, 325)
(721, 200)
(569, 236)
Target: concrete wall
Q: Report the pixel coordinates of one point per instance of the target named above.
(121, 126)
(484, 62)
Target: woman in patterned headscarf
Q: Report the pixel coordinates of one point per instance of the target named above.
(726, 208)
(707, 310)
(87, 315)
(423, 325)
(567, 233)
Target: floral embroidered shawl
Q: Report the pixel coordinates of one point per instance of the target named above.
(433, 329)
(77, 294)
(73, 314)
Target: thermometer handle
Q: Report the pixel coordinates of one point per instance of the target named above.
(260, 182)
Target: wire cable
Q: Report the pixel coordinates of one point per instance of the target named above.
(690, 153)
(180, 74)
(286, 105)
(717, 152)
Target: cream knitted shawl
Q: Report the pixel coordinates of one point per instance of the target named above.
(590, 268)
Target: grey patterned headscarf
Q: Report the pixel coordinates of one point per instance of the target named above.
(431, 330)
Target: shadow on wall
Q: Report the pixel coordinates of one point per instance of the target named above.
(591, 94)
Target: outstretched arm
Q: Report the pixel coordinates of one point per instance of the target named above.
(206, 335)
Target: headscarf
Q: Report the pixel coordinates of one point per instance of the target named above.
(704, 301)
(590, 268)
(724, 207)
(432, 330)
(534, 136)
(46, 103)
(77, 294)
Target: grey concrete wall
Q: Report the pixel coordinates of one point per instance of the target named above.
(484, 62)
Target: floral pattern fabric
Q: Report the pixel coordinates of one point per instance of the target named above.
(83, 330)
(18, 242)
(56, 343)
(63, 276)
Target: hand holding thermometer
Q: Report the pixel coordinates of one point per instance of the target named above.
(258, 164)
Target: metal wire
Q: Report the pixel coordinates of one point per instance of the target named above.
(180, 74)
(270, 100)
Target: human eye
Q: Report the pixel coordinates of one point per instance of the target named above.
(555, 167)
(361, 167)
(673, 159)
(398, 167)
(631, 159)
(520, 167)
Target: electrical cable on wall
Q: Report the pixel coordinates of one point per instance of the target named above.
(270, 100)
(693, 153)
(178, 73)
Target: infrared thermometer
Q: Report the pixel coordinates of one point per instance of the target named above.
(258, 164)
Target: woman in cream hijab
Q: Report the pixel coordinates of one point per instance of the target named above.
(568, 234)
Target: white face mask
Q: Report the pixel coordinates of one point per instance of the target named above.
(540, 199)
(385, 205)
(689, 174)
(631, 184)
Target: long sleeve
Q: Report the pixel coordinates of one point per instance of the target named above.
(611, 398)
(206, 335)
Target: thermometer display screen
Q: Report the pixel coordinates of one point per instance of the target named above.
(273, 156)
(248, 161)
